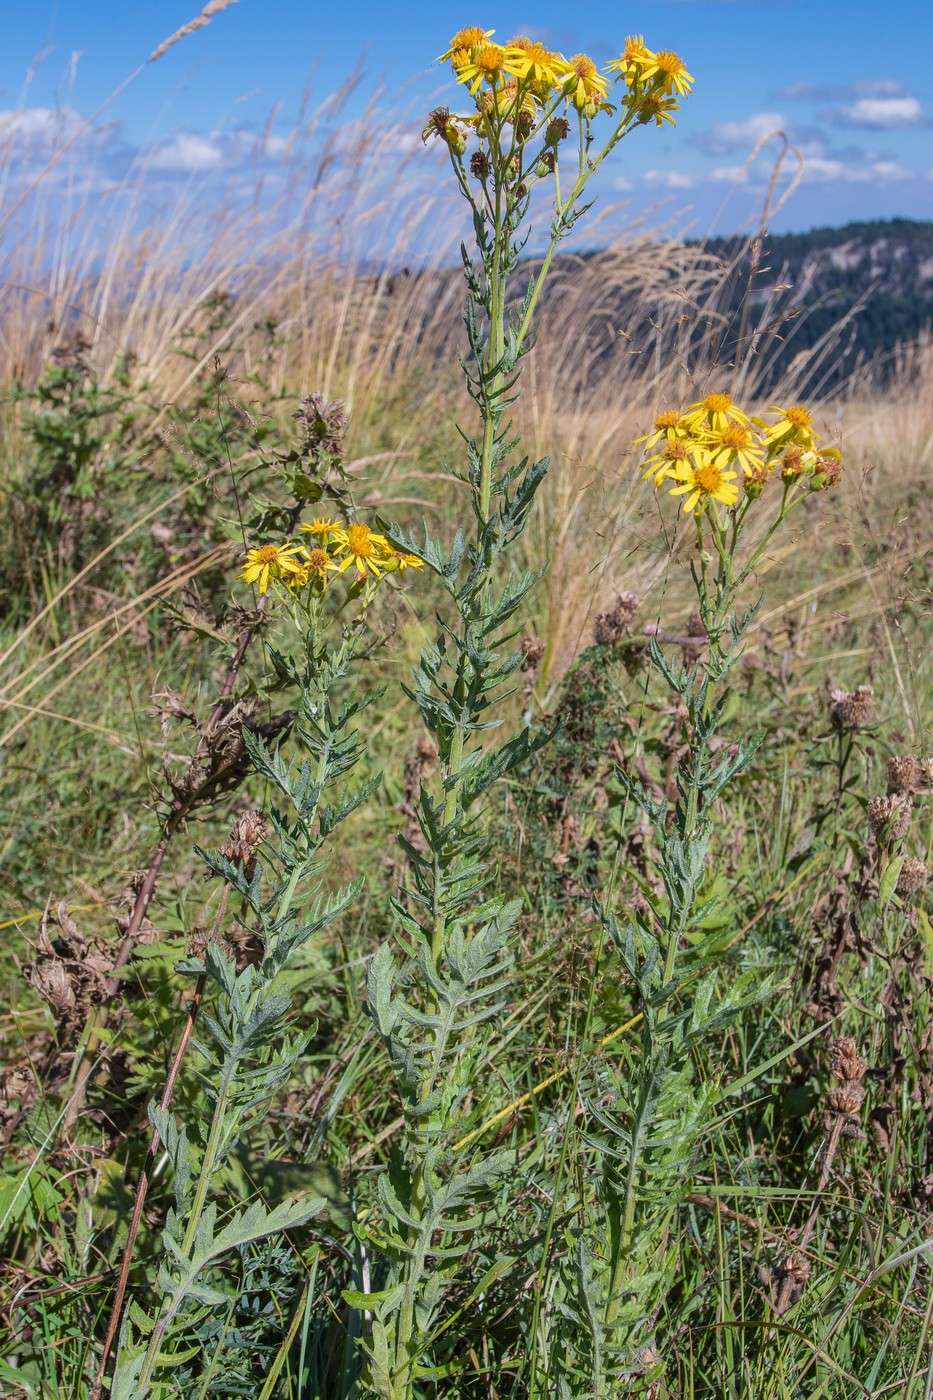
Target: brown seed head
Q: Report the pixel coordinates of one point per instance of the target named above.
(847, 1098)
(912, 877)
(846, 1062)
(889, 817)
(324, 425)
(533, 649)
(851, 709)
(904, 774)
(610, 627)
(245, 836)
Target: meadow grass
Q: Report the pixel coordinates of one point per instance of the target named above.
(794, 1251)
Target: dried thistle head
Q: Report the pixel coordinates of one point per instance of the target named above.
(905, 774)
(847, 1098)
(850, 710)
(889, 817)
(846, 1062)
(610, 627)
(324, 426)
(533, 649)
(245, 837)
(912, 876)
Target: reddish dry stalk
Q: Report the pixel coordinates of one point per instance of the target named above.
(143, 1186)
(790, 1282)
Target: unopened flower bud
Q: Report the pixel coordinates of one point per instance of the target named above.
(589, 110)
(558, 129)
(545, 165)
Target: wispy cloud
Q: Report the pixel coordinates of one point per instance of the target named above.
(726, 137)
(876, 104)
(669, 179)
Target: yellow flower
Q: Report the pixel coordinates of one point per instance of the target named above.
(318, 564)
(463, 41)
(736, 443)
(583, 83)
(270, 561)
(485, 65)
(635, 57)
(670, 424)
(401, 562)
(532, 63)
(794, 425)
(653, 107)
(669, 73)
(702, 481)
(363, 549)
(324, 529)
(716, 411)
(675, 452)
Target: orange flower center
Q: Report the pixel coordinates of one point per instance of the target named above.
(676, 451)
(669, 419)
(669, 62)
(318, 560)
(799, 416)
(468, 38)
(583, 66)
(717, 403)
(708, 477)
(735, 436)
(489, 59)
(359, 542)
(268, 554)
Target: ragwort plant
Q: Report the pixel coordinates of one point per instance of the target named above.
(190, 1332)
(433, 996)
(648, 1117)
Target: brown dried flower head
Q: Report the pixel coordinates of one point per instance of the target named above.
(889, 817)
(324, 425)
(912, 876)
(245, 837)
(533, 649)
(846, 1062)
(905, 774)
(610, 627)
(851, 709)
(847, 1098)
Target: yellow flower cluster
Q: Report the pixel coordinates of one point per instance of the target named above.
(523, 76)
(332, 548)
(708, 448)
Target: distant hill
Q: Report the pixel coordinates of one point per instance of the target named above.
(878, 274)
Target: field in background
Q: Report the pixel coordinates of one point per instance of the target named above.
(145, 389)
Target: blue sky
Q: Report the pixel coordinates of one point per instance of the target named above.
(848, 81)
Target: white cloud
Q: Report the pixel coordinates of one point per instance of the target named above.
(730, 174)
(186, 151)
(725, 137)
(882, 113)
(669, 179)
(44, 127)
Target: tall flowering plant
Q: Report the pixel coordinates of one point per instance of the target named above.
(530, 120)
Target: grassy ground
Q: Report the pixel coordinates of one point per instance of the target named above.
(127, 479)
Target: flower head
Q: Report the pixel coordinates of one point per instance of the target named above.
(702, 480)
(670, 424)
(531, 63)
(716, 412)
(270, 561)
(669, 73)
(633, 60)
(324, 529)
(794, 425)
(463, 41)
(735, 442)
(583, 83)
(485, 64)
(367, 551)
(397, 559)
(673, 453)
